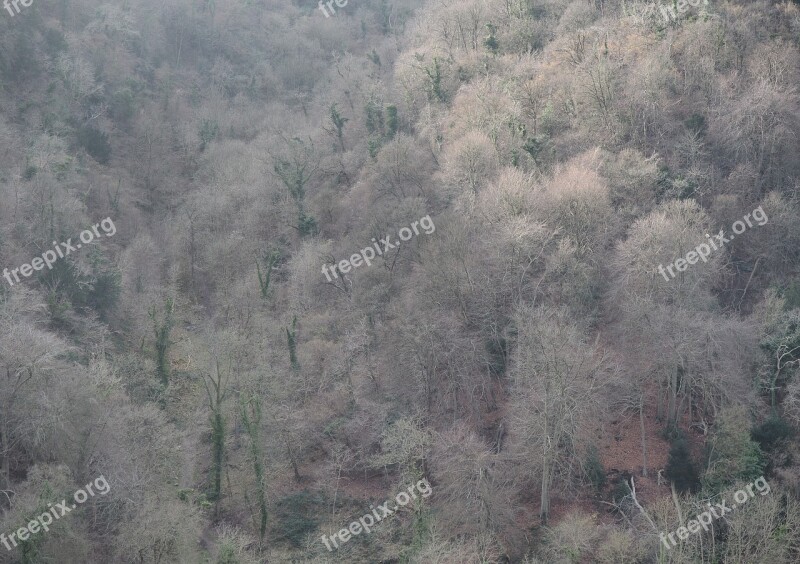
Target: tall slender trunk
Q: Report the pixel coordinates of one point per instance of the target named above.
(5, 467)
(293, 461)
(644, 443)
(544, 506)
(672, 405)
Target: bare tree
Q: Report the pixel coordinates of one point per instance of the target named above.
(557, 385)
(27, 355)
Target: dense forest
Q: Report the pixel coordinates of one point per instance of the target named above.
(400, 281)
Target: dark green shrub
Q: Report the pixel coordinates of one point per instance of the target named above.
(99, 288)
(374, 119)
(684, 188)
(594, 469)
(96, 144)
(490, 41)
(374, 147)
(218, 451)
(663, 182)
(162, 331)
(338, 121)
(497, 350)
(183, 493)
(68, 288)
(22, 63)
(680, 468)
(55, 42)
(391, 121)
(104, 291)
(375, 58)
(672, 433)
(296, 516)
(435, 76)
(208, 132)
(696, 123)
(102, 285)
(539, 148)
(57, 307)
(792, 295)
(771, 432)
(620, 491)
(122, 105)
(227, 554)
(251, 419)
(307, 225)
(732, 455)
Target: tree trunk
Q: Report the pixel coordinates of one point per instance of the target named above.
(672, 406)
(293, 461)
(544, 506)
(5, 467)
(644, 443)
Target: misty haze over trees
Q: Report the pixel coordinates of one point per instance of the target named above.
(578, 321)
